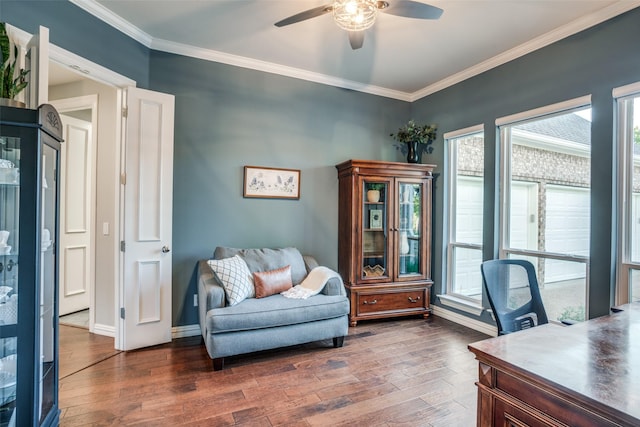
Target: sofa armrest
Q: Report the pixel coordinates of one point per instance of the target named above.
(309, 262)
(334, 287)
(210, 293)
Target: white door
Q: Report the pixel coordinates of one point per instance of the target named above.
(77, 201)
(148, 192)
(38, 62)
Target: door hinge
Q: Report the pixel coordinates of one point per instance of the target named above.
(122, 246)
(125, 112)
(122, 312)
(123, 178)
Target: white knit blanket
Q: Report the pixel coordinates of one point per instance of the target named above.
(312, 284)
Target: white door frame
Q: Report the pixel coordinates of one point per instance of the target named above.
(105, 76)
(87, 102)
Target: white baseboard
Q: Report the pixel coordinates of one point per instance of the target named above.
(477, 325)
(106, 330)
(185, 331)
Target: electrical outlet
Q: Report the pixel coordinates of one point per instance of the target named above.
(195, 300)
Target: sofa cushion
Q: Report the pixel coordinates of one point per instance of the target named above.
(274, 311)
(272, 282)
(266, 259)
(235, 278)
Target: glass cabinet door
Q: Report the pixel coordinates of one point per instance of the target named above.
(47, 372)
(375, 217)
(9, 229)
(410, 228)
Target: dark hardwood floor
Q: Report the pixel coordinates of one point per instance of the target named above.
(408, 372)
(80, 349)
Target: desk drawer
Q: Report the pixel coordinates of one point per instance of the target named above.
(548, 404)
(391, 301)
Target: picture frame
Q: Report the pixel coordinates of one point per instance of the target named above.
(271, 183)
(375, 219)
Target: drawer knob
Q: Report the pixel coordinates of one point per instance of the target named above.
(414, 299)
(375, 301)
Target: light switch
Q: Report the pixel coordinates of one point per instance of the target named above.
(105, 228)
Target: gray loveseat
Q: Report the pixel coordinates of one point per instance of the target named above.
(257, 324)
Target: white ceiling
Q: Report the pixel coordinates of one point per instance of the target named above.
(401, 58)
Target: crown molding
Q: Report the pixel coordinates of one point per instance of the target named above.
(580, 24)
(553, 36)
(117, 22)
(273, 68)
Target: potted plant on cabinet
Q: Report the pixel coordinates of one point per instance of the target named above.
(373, 192)
(415, 139)
(12, 82)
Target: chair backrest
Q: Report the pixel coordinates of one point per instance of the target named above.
(514, 295)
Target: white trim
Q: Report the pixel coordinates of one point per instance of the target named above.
(461, 304)
(185, 331)
(116, 21)
(270, 67)
(581, 101)
(580, 24)
(87, 68)
(560, 33)
(106, 330)
(463, 132)
(630, 89)
(75, 104)
(474, 324)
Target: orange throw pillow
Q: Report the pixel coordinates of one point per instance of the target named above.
(272, 282)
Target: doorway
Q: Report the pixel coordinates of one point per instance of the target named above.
(88, 208)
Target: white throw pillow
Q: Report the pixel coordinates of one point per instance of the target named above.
(235, 277)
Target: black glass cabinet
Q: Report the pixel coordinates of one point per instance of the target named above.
(29, 158)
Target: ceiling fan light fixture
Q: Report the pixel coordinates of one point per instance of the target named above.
(355, 15)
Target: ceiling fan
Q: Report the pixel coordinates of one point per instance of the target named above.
(355, 16)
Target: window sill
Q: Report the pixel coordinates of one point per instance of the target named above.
(461, 304)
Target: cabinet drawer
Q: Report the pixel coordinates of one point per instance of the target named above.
(391, 301)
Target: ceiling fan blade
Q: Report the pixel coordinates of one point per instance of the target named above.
(303, 16)
(412, 9)
(356, 39)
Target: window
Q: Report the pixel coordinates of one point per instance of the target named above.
(628, 280)
(545, 215)
(465, 181)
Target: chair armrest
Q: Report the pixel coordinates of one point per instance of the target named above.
(334, 286)
(309, 262)
(210, 293)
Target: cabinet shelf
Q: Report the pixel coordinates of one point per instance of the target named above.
(373, 254)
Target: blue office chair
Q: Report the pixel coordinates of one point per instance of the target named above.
(514, 295)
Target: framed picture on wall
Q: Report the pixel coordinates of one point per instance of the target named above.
(271, 183)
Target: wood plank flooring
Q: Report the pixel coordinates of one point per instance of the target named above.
(80, 349)
(407, 372)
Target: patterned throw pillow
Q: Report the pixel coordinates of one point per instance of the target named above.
(235, 277)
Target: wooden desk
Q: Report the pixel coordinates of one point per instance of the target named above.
(586, 374)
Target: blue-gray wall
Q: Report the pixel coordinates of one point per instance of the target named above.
(73, 29)
(228, 117)
(592, 62)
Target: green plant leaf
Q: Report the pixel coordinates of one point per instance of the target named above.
(5, 44)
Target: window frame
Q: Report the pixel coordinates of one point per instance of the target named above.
(451, 162)
(504, 126)
(624, 264)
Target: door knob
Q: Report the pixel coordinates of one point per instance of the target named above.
(165, 249)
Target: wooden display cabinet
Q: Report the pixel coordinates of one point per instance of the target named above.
(384, 239)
